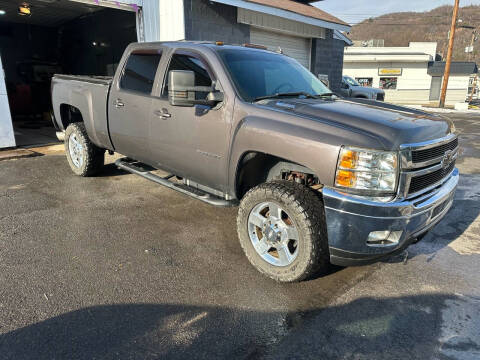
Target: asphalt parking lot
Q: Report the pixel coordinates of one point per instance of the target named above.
(116, 267)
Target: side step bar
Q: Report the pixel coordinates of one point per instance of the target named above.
(143, 170)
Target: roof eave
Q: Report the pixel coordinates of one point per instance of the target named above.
(348, 58)
(340, 36)
(285, 14)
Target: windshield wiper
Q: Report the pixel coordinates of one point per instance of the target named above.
(287, 94)
(329, 94)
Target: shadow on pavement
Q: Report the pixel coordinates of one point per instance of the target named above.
(367, 328)
(110, 170)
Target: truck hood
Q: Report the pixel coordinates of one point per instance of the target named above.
(392, 125)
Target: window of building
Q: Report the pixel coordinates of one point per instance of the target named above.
(192, 63)
(388, 83)
(367, 82)
(139, 72)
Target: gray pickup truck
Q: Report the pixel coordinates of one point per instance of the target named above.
(318, 179)
(351, 88)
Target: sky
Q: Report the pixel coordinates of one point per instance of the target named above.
(354, 11)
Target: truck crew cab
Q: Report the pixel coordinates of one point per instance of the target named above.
(318, 179)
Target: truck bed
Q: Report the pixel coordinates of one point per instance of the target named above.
(104, 80)
(88, 95)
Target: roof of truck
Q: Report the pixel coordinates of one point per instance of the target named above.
(214, 45)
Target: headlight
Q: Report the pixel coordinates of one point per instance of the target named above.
(367, 172)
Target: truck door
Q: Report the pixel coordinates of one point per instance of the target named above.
(129, 104)
(190, 141)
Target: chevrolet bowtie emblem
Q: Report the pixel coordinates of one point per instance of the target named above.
(447, 159)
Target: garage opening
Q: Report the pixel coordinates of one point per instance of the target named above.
(56, 36)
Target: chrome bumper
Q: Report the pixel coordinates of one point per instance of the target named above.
(350, 220)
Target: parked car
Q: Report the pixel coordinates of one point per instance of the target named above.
(351, 88)
(318, 179)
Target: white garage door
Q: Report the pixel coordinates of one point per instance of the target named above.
(293, 46)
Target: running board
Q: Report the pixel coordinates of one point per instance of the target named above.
(144, 170)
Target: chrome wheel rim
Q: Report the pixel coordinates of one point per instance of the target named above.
(273, 234)
(76, 150)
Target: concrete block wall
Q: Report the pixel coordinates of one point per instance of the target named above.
(327, 58)
(214, 22)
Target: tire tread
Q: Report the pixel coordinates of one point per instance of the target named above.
(309, 206)
(94, 156)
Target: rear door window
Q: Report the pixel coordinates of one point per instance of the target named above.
(139, 72)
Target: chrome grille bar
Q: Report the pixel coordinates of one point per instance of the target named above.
(430, 173)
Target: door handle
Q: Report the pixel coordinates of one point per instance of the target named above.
(118, 103)
(163, 114)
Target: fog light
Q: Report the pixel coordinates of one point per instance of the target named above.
(384, 238)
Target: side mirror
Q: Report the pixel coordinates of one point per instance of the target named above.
(179, 81)
(215, 97)
(182, 90)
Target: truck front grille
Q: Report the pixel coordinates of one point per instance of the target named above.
(421, 182)
(419, 156)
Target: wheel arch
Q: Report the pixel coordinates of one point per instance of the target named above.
(256, 167)
(69, 114)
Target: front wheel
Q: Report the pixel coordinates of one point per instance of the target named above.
(281, 227)
(84, 158)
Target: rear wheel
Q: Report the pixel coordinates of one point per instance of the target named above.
(281, 227)
(84, 158)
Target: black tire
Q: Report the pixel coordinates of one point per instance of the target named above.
(306, 209)
(93, 156)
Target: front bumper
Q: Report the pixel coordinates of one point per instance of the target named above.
(350, 220)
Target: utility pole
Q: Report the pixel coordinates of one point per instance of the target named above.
(446, 75)
(471, 45)
(474, 88)
(470, 54)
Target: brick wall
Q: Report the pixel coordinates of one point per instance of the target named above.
(214, 22)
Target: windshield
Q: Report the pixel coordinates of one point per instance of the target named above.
(258, 74)
(351, 81)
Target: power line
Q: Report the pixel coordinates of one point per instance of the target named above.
(378, 22)
(390, 14)
(392, 24)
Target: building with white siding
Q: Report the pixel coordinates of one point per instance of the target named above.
(87, 37)
(409, 75)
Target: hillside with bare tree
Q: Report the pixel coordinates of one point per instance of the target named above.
(398, 29)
